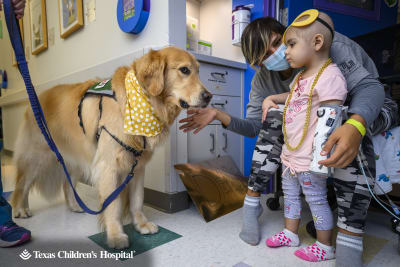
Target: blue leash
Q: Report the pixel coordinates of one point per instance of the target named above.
(15, 37)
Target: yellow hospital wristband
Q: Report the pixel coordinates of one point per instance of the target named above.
(360, 127)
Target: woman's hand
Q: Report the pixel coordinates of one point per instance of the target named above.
(19, 7)
(200, 118)
(347, 139)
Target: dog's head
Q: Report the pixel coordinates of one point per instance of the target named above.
(172, 74)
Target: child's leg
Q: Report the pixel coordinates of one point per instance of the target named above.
(315, 191)
(265, 162)
(314, 188)
(292, 203)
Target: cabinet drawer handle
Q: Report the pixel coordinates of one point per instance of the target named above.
(226, 141)
(213, 142)
(219, 75)
(219, 104)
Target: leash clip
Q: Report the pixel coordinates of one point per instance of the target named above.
(131, 172)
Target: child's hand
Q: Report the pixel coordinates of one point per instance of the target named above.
(266, 105)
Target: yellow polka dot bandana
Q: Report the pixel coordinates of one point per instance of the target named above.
(140, 118)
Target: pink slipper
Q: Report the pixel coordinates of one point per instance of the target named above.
(280, 240)
(314, 253)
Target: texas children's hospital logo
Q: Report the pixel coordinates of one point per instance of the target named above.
(25, 255)
(36, 254)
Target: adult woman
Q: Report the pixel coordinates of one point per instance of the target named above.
(260, 40)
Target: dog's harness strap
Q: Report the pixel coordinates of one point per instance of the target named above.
(80, 114)
(15, 37)
(127, 148)
(93, 93)
(100, 107)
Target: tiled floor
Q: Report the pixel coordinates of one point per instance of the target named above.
(55, 228)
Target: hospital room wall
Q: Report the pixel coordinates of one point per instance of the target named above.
(96, 43)
(95, 50)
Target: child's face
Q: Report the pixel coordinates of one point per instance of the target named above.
(299, 50)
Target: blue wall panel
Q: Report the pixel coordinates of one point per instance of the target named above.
(348, 25)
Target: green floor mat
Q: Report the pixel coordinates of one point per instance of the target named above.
(138, 243)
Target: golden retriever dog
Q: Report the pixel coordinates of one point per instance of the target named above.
(170, 79)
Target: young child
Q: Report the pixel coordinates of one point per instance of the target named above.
(320, 83)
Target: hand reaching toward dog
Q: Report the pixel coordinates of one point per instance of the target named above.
(19, 7)
(200, 118)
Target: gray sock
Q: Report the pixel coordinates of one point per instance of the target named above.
(252, 210)
(349, 250)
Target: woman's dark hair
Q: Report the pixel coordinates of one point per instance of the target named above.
(256, 39)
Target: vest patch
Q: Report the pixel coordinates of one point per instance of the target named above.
(101, 88)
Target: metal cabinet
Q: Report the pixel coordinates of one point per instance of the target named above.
(203, 145)
(214, 141)
(228, 104)
(230, 143)
(226, 85)
(221, 80)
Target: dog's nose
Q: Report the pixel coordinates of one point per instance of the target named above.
(206, 96)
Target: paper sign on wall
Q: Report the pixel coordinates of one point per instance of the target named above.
(90, 10)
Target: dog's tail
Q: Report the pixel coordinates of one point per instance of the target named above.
(36, 165)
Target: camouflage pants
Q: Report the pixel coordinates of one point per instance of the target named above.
(352, 192)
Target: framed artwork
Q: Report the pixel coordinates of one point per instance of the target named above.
(129, 9)
(21, 29)
(38, 25)
(368, 9)
(132, 15)
(70, 16)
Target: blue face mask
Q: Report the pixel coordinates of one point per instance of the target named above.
(277, 60)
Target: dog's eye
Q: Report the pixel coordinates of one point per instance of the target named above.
(185, 70)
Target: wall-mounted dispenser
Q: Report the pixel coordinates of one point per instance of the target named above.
(240, 19)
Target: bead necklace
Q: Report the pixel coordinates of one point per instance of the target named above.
(309, 105)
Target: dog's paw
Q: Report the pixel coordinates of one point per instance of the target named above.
(146, 228)
(118, 241)
(23, 213)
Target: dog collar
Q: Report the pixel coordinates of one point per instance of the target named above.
(140, 118)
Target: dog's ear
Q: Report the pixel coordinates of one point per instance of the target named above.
(150, 70)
